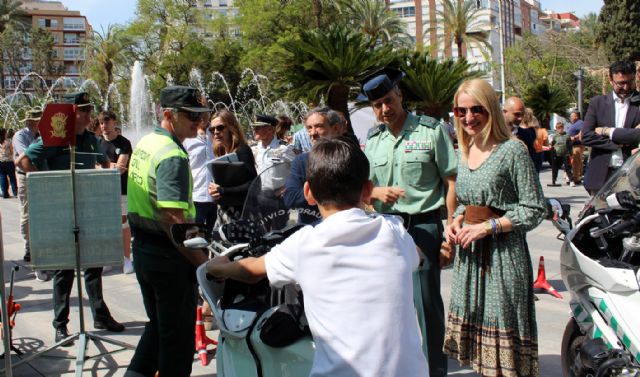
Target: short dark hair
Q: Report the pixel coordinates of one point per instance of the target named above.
(337, 172)
(625, 67)
(106, 115)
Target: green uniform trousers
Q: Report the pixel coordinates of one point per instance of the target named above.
(169, 293)
(426, 294)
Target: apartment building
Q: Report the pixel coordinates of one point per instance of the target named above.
(518, 17)
(69, 29)
(210, 9)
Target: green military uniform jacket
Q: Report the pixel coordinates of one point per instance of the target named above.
(417, 160)
(58, 158)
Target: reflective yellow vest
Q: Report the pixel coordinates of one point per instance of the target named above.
(142, 194)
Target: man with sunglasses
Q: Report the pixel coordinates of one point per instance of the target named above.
(413, 170)
(609, 126)
(88, 155)
(159, 191)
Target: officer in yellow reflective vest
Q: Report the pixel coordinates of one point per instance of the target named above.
(159, 195)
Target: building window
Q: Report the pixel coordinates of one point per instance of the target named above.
(223, 3)
(71, 38)
(207, 4)
(404, 12)
(73, 53)
(74, 23)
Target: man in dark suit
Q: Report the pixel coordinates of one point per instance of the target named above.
(609, 126)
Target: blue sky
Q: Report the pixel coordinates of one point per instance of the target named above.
(106, 12)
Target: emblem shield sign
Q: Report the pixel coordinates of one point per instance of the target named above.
(57, 125)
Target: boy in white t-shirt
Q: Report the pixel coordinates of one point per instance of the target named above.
(354, 270)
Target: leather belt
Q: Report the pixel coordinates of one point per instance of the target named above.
(21, 172)
(417, 218)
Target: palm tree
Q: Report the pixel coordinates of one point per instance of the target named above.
(461, 23)
(106, 49)
(332, 64)
(430, 84)
(373, 18)
(545, 100)
(10, 13)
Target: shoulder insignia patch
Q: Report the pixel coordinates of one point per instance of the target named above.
(428, 121)
(375, 130)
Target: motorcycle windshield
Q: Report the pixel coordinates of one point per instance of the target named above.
(271, 207)
(627, 178)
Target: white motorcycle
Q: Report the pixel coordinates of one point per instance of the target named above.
(263, 330)
(600, 265)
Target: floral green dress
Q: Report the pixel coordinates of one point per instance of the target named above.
(491, 323)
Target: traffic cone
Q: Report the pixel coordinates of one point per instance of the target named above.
(542, 283)
(202, 340)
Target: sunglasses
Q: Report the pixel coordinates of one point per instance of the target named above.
(192, 116)
(461, 112)
(218, 128)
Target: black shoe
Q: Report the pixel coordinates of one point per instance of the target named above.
(27, 257)
(61, 334)
(109, 324)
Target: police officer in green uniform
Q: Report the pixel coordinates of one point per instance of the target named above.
(88, 154)
(413, 168)
(159, 195)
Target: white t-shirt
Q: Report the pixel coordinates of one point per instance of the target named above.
(355, 272)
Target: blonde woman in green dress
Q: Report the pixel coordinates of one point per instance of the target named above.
(491, 323)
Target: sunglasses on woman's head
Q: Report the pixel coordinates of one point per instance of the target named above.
(461, 112)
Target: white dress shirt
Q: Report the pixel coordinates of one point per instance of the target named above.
(200, 151)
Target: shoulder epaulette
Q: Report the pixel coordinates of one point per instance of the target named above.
(428, 121)
(375, 130)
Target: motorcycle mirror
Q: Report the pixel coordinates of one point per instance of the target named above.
(190, 235)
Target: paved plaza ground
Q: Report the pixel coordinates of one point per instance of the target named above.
(33, 330)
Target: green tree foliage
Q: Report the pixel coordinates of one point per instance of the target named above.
(619, 32)
(462, 24)
(545, 100)
(552, 58)
(12, 41)
(430, 84)
(104, 50)
(375, 19)
(332, 64)
(41, 44)
(10, 13)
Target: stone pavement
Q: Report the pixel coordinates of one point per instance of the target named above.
(33, 330)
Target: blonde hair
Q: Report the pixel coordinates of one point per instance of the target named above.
(529, 119)
(482, 93)
(237, 136)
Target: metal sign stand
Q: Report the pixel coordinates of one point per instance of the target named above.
(83, 336)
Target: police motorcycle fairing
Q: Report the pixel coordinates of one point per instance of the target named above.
(600, 265)
(263, 330)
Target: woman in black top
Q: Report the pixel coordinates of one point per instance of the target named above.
(228, 138)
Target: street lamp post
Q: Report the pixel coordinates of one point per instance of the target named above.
(579, 74)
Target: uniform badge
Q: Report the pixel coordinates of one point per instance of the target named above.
(413, 145)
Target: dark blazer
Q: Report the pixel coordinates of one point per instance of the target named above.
(293, 196)
(601, 113)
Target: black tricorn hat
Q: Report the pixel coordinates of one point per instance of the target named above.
(264, 120)
(182, 98)
(380, 83)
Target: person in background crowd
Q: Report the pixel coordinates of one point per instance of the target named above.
(574, 131)
(514, 113)
(560, 154)
(89, 153)
(542, 138)
(21, 141)
(609, 126)
(118, 149)
(413, 170)
(491, 323)
(200, 150)
(229, 138)
(7, 166)
(94, 126)
(283, 129)
(301, 141)
(321, 123)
